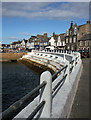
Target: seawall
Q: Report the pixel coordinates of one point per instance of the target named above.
(9, 57)
(37, 67)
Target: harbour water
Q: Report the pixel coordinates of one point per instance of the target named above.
(17, 81)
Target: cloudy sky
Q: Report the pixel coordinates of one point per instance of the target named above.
(23, 19)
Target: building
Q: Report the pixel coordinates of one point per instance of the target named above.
(43, 39)
(15, 45)
(78, 37)
(71, 37)
(84, 36)
(52, 42)
(0, 46)
(61, 41)
(23, 44)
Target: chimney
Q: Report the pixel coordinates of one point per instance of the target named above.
(53, 34)
(75, 24)
(88, 21)
(71, 23)
(45, 34)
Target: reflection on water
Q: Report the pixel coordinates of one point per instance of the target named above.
(17, 81)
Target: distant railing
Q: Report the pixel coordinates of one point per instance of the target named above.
(45, 91)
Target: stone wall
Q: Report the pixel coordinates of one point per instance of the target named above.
(83, 30)
(8, 57)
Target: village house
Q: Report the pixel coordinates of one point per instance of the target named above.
(43, 39)
(58, 41)
(52, 42)
(15, 45)
(71, 37)
(28, 44)
(0, 46)
(78, 37)
(61, 41)
(84, 36)
(23, 44)
(31, 41)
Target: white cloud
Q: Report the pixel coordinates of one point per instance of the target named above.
(24, 33)
(46, 10)
(14, 38)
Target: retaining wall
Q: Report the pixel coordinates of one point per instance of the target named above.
(8, 57)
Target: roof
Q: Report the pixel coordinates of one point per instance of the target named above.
(14, 43)
(86, 37)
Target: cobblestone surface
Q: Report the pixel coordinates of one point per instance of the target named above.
(80, 108)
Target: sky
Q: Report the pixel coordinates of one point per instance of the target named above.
(22, 19)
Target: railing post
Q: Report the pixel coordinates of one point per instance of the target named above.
(64, 57)
(67, 71)
(71, 52)
(79, 56)
(74, 64)
(46, 94)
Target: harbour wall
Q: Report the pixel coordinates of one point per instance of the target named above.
(38, 68)
(9, 57)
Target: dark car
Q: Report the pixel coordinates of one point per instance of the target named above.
(84, 53)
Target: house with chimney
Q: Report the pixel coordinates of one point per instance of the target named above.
(78, 37)
(71, 37)
(15, 45)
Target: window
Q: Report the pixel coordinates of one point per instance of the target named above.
(68, 47)
(80, 43)
(63, 43)
(70, 40)
(75, 31)
(67, 33)
(66, 40)
(70, 32)
(72, 48)
(74, 39)
(86, 43)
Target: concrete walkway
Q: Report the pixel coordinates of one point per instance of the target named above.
(80, 108)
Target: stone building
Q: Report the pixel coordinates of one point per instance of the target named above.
(78, 37)
(71, 37)
(84, 36)
(43, 39)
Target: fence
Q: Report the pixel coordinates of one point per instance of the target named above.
(45, 91)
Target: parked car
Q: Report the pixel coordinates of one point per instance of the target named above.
(84, 53)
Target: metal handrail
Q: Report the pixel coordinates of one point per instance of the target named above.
(14, 109)
(71, 61)
(58, 84)
(36, 110)
(76, 58)
(55, 74)
(71, 69)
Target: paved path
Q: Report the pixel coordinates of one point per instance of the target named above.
(80, 108)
